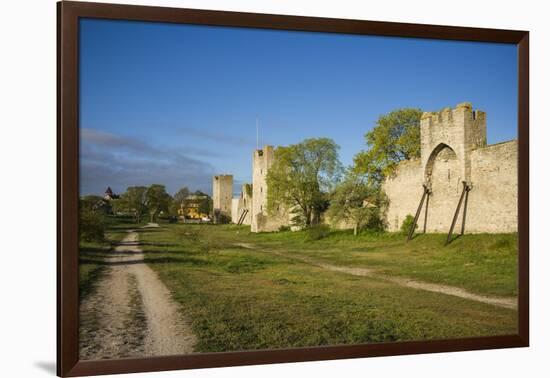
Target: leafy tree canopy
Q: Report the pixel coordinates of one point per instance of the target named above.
(206, 204)
(301, 176)
(92, 202)
(158, 200)
(181, 195)
(356, 202)
(396, 137)
(134, 202)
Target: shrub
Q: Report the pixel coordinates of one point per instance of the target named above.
(284, 228)
(221, 218)
(91, 226)
(407, 224)
(375, 223)
(317, 232)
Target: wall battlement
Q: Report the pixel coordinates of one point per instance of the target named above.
(461, 111)
(461, 129)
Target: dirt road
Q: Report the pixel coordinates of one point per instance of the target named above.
(131, 313)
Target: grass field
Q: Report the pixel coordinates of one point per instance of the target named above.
(246, 291)
(483, 263)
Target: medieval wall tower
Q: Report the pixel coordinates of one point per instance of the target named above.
(460, 129)
(222, 194)
(261, 221)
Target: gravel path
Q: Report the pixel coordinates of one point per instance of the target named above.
(505, 302)
(131, 312)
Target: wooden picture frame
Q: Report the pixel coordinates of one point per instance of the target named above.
(69, 13)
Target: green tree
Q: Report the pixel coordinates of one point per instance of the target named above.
(300, 178)
(206, 204)
(395, 137)
(134, 202)
(93, 202)
(181, 195)
(158, 200)
(357, 202)
(178, 199)
(91, 225)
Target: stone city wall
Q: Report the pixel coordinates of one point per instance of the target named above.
(242, 205)
(493, 201)
(454, 151)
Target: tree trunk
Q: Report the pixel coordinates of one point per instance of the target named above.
(316, 218)
(355, 227)
(307, 215)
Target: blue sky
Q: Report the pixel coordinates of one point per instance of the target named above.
(175, 104)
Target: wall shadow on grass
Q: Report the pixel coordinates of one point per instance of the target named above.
(155, 260)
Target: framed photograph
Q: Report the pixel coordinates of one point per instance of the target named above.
(238, 188)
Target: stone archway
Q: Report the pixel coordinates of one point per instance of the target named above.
(447, 152)
(443, 177)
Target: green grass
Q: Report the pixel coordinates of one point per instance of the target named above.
(90, 265)
(242, 298)
(92, 254)
(483, 263)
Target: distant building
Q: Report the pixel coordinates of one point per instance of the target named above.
(109, 195)
(194, 207)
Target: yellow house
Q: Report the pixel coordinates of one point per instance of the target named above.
(190, 207)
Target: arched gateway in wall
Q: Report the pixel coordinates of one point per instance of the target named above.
(447, 139)
(458, 178)
(443, 185)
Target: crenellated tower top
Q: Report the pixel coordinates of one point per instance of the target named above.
(461, 129)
